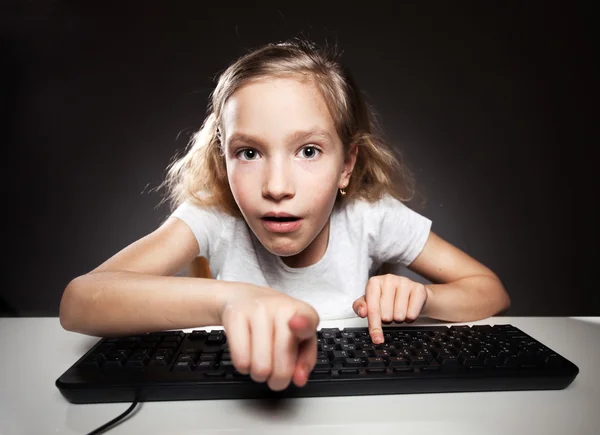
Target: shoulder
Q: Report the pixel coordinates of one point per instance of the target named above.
(380, 208)
(193, 210)
(208, 223)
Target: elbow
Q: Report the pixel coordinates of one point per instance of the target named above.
(504, 301)
(70, 305)
(498, 299)
(507, 302)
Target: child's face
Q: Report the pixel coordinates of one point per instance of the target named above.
(283, 155)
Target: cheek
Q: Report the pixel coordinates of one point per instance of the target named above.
(237, 172)
(321, 177)
(241, 177)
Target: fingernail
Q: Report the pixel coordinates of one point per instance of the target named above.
(305, 374)
(362, 311)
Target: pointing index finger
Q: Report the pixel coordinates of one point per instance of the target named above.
(373, 297)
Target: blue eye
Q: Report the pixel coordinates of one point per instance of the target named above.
(309, 152)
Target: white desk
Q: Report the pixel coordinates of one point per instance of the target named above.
(34, 352)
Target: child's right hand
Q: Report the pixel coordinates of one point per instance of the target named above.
(272, 336)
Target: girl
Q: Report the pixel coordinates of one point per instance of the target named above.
(289, 193)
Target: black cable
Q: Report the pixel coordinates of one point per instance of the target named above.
(106, 426)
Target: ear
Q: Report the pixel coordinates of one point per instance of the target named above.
(349, 162)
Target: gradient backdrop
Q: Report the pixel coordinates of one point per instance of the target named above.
(490, 105)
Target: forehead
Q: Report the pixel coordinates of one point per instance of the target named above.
(274, 108)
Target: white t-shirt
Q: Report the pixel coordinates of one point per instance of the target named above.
(362, 237)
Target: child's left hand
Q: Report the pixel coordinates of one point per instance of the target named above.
(390, 298)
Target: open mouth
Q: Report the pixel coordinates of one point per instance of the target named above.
(281, 222)
(281, 219)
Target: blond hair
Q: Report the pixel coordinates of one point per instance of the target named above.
(201, 176)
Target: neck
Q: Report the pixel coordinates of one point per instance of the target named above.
(312, 253)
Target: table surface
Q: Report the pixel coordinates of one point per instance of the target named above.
(36, 351)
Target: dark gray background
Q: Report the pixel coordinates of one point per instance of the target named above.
(490, 104)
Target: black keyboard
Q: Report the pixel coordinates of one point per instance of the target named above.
(175, 365)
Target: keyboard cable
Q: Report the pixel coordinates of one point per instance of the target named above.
(115, 420)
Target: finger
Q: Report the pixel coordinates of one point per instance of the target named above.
(388, 295)
(262, 345)
(304, 327)
(285, 354)
(373, 296)
(238, 335)
(307, 357)
(401, 303)
(360, 306)
(415, 303)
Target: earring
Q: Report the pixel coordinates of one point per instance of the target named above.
(343, 191)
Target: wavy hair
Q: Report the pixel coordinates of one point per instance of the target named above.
(200, 174)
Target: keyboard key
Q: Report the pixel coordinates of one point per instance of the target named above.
(348, 372)
(418, 361)
(239, 375)
(92, 362)
(208, 356)
(376, 370)
(216, 374)
(168, 345)
(376, 362)
(186, 357)
(322, 363)
(405, 369)
(353, 362)
(449, 360)
(205, 365)
(198, 335)
(172, 333)
(158, 361)
(339, 355)
(320, 374)
(398, 361)
(553, 361)
(215, 339)
(182, 366)
(360, 354)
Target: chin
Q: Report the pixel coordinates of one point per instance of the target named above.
(283, 251)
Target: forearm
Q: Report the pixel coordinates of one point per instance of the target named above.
(468, 299)
(113, 303)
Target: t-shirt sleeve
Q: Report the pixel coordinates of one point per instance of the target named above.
(207, 224)
(401, 232)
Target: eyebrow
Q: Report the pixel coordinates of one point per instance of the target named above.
(293, 137)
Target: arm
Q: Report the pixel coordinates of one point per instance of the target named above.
(120, 302)
(463, 289)
(134, 292)
(271, 335)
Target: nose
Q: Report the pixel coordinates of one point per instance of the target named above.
(278, 183)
